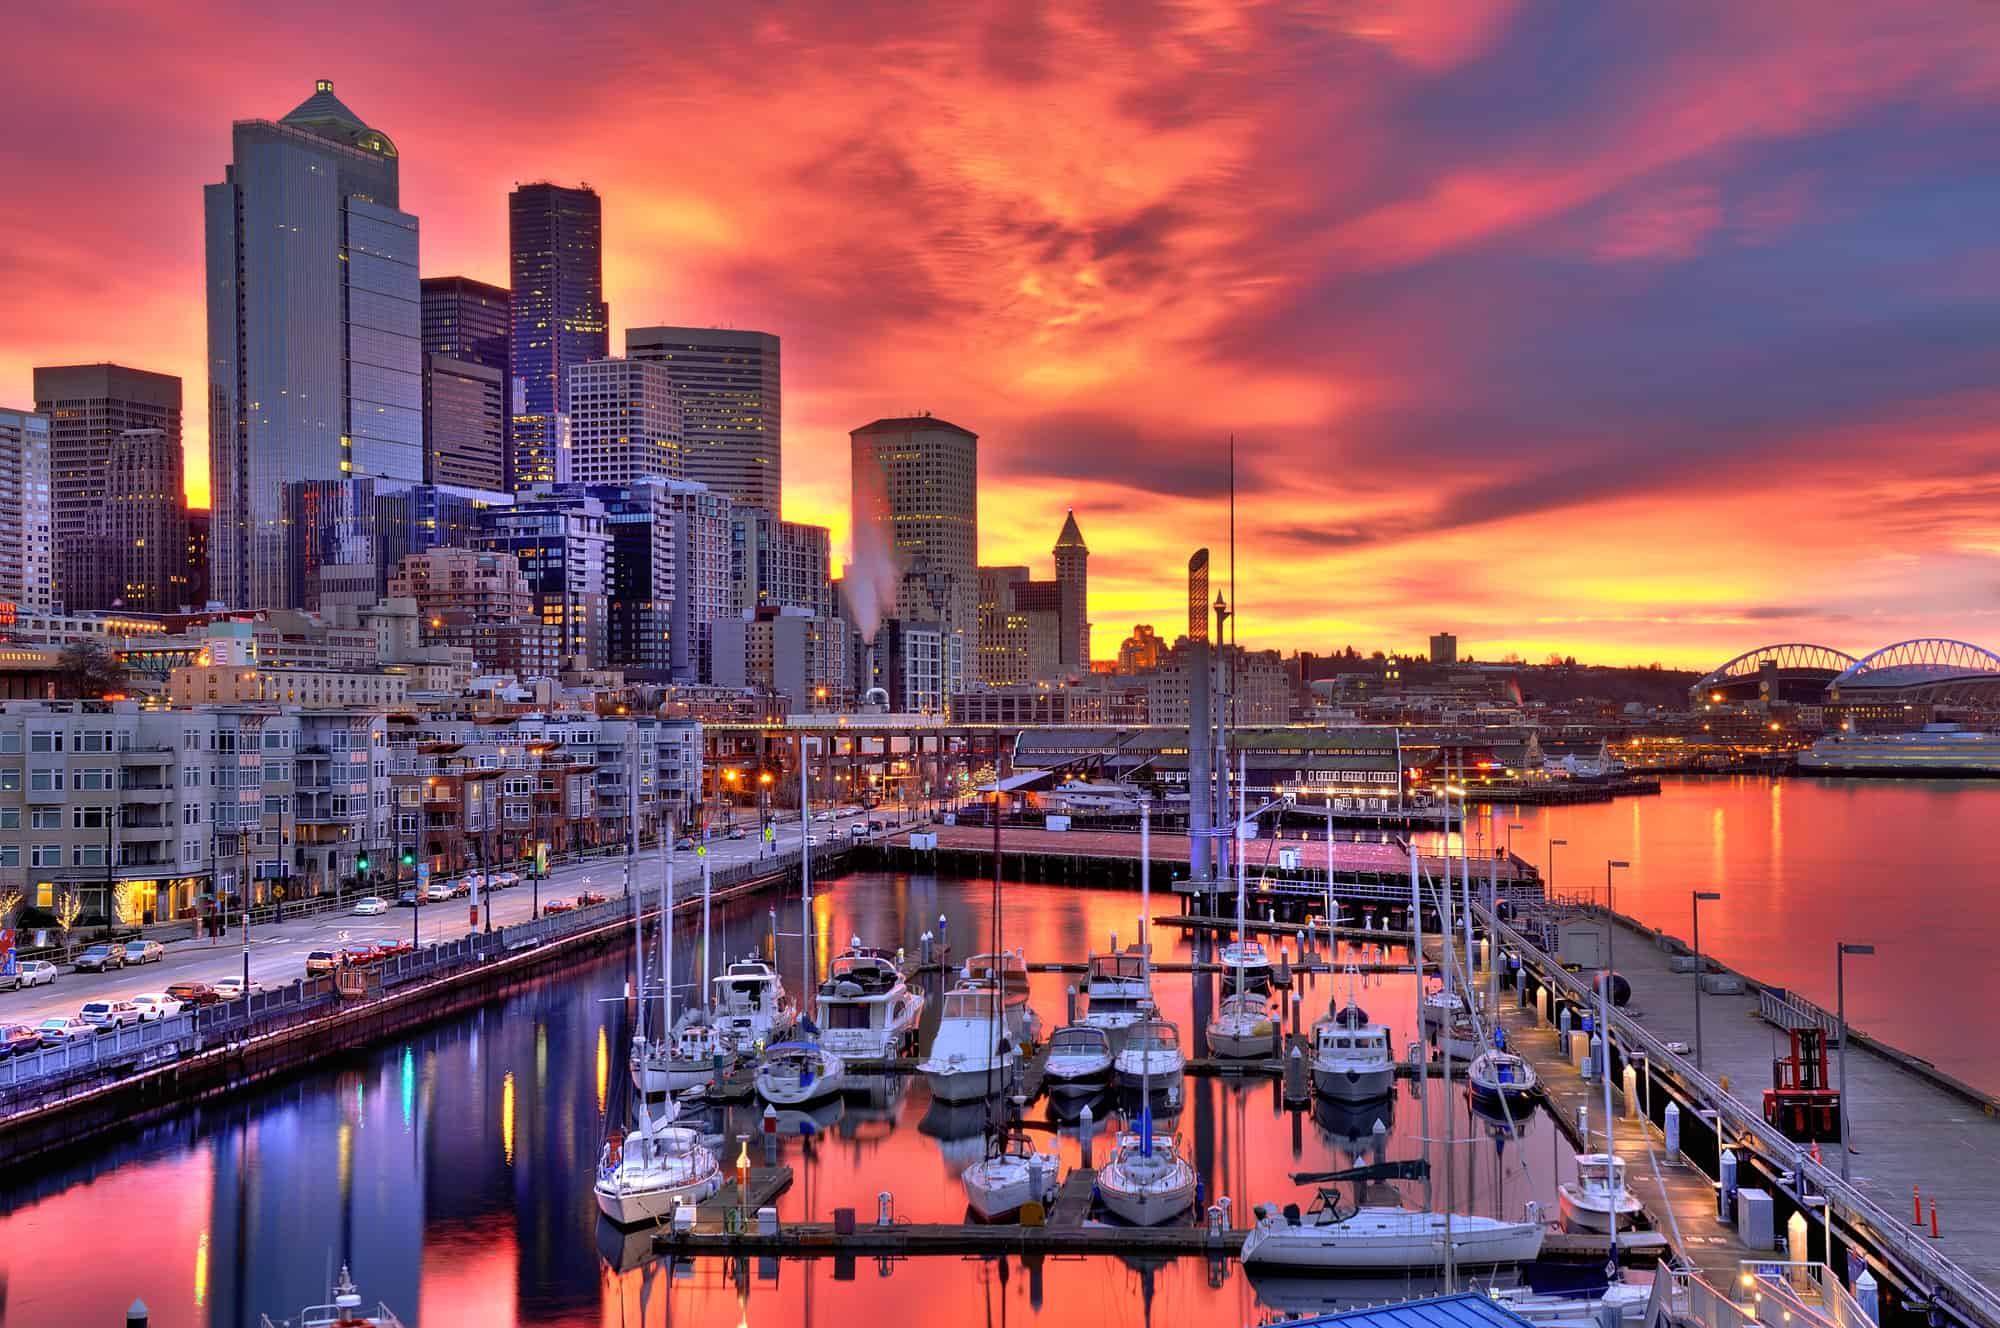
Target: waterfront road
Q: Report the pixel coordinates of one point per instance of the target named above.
(278, 950)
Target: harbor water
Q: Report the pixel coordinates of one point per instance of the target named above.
(452, 1170)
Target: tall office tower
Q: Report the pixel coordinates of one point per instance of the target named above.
(134, 546)
(465, 424)
(728, 386)
(915, 486)
(624, 422)
(315, 358)
(89, 407)
(639, 578)
(197, 557)
(563, 545)
(1001, 641)
(1073, 582)
(27, 543)
(704, 590)
(467, 402)
(555, 245)
(781, 564)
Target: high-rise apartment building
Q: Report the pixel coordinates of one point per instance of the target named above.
(481, 601)
(134, 544)
(555, 244)
(467, 320)
(197, 555)
(782, 564)
(90, 406)
(640, 578)
(915, 485)
(27, 543)
(563, 545)
(624, 422)
(314, 322)
(790, 652)
(467, 398)
(728, 386)
(704, 589)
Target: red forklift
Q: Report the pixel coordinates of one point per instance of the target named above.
(1801, 1103)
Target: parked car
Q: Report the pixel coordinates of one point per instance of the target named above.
(738, 832)
(19, 1038)
(822, 816)
(156, 1005)
(479, 881)
(459, 888)
(383, 949)
(198, 993)
(369, 906)
(321, 962)
(109, 1014)
(437, 892)
(100, 958)
(57, 1031)
(502, 880)
(37, 972)
(232, 989)
(144, 952)
(556, 906)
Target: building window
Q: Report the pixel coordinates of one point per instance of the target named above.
(43, 818)
(89, 818)
(45, 740)
(10, 818)
(96, 779)
(10, 742)
(93, 740)
(45, 781)
(277, 772)
(86, 855)
(10, 855)
(275, 805)
(46, 855)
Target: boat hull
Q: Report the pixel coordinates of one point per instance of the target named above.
(1339, 1248)
(1148, 1207)
(1350, 1084)
(998, 1193)
(633, 1206)
(966, 1083)
(674, 1077)
(1243, 1043)
(782, 1087)
(1076, 1074)
(1163, 1073)
(1591, 1212)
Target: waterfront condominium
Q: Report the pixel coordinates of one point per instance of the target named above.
(555, 245)
(728, 385)
(915, 480)
(315, 360)
(27, 548)
(90, 408)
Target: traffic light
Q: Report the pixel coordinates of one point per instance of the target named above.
(361, 863)
(409, 858)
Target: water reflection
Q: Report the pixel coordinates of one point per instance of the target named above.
(452, 1169)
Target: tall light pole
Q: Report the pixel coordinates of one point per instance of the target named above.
(1841, 950)
(1699, 897)
(1512, 826)
(1610, 921)
(1549, 882)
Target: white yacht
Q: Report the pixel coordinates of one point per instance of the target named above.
(1437, 1008)
(1583, 1309)
(1079, 1059)
(1243, 1027)
(867, 1011)
(652, 1171)
(1352, 1058)
(750, 1007)
(1496, 1077)
(1010, 1176)
(973, 1053)
(1332, 1239)
(1245, 965)
(1152, 1052)
(1598, 1195)
(690, 1059)
(1117, 991)
(792, 1074)
(1080, 795)
(343, 1310)
(1009, 971)
(1147, 1181)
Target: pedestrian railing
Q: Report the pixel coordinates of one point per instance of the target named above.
(1738, 1125)
(114, 1047)
(1789, 1010)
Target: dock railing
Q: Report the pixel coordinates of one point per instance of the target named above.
(1788, 1010)
(1738, 1125)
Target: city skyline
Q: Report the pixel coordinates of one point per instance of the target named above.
(1570, 335)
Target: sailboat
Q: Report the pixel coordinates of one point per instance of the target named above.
(1242, 1024)
(1013, 1173)
(694, 1051)
(658, 1166)
(803, 1070)
(1497, 1074)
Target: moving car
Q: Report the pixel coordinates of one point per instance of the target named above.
(156, 1005)
(144, 952)
(589, 897)
(437, 892)
(232, 989)
(109, 1014)
(37, 972)
(359, 953)
(369, 906)
(100, 958)
(557, 906)
(57, 1031)
(409, 899)
(320, 962)
(198, 993)
(19, 1038)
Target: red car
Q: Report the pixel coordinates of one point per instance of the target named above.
(383, 949)
(359, 954)
(589, 897)
(557, 906)
(194, 993)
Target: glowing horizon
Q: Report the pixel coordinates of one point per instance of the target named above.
(1565, 329)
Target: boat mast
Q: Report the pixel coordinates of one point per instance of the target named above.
(1614, 1186)
(666, 943)
(806, 884)
(1332, 929)
(704, 935)
(1242, 936)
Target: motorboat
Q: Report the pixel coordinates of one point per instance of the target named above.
(1437, 1008)
(1500, 1078)
(1598, 1195)
(1460, 1039)
(867, 1011)
(1246, 966)
(652, 1171)
(342, 1310)
(1079, 1059)
(1243, 1027)
(1352, 1059)
(798, 1072)
(1580, 1309)
(1152, 1052)
(1117, 991)
(1147, 1181)
(688, 1061)
(1332, 1238)
(1010, 1176)
(973, 1053)
(750, 1008)
(1008, 971)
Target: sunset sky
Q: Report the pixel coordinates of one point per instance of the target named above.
(1634, 332)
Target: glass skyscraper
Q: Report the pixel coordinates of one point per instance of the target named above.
(728, 386)
(555, 243)
(315, 362)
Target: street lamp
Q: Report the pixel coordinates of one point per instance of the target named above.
(1699, 896)
(1512, 826)
(1841, 950)
(1610, 921)
(1549, 883)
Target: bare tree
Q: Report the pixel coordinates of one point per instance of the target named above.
(69, 907)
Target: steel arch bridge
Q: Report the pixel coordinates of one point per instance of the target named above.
(1932, 669)
(1803, 671)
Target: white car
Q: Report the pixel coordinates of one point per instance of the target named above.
(437, 892)
(505, 880)
(37, 972)
(109, 1014)
(369, 906)
(231, 989)
(156, 1005)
